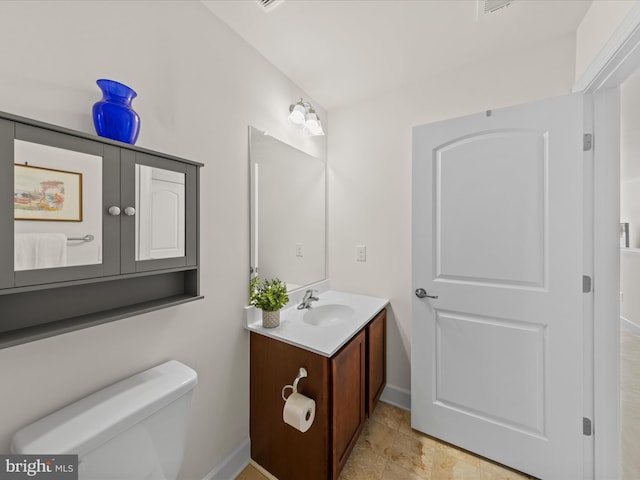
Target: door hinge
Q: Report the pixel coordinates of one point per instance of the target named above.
(586, 284)
(587, 142)
(586, 426)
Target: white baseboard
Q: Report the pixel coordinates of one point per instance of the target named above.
(235, 462)
(400, 397)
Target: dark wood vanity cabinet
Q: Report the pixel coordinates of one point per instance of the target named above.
(348, 379)
(376, 359)
(121, 192)
(276, 446)
(345, 388)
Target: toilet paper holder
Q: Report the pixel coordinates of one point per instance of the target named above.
(302, 373)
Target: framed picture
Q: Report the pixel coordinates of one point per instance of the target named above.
(47, 194)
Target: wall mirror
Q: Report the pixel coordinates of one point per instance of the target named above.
(57, 204)
(288, 212)
(160, 213)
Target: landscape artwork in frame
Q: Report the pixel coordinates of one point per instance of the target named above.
(47, 194)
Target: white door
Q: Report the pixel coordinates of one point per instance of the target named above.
(497, 364)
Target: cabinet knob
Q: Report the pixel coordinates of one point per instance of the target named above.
(115, 211)
(130, 211)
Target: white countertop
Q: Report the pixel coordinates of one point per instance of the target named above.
(325, 340)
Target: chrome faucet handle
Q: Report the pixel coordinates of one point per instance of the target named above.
(308, 298)
(310, 294)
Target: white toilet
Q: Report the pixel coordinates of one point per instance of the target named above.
(132, 430)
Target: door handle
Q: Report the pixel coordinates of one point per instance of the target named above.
(422, 293)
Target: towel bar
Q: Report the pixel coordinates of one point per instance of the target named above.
(86, 238)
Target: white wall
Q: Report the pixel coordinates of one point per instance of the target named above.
(630, 195)
(199, 87)
(630, 276)
(370, 172)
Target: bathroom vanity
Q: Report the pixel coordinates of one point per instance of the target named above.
(93, 230)
(343, 349)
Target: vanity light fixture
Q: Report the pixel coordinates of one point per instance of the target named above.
(302, 114)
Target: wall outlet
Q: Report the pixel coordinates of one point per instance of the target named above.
(361, 253)
(299, 250)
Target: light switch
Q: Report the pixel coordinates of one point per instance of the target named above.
(299, 250)
(361, 253)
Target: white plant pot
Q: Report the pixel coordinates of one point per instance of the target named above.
(270, 319)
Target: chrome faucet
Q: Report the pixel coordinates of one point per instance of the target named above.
(308, 298)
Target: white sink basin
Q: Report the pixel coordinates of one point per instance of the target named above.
(328, 315)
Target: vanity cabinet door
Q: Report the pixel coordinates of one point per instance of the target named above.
(376, 359)
(348, 399)
(285, 452)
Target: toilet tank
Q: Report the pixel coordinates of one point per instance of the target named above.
(132, 430)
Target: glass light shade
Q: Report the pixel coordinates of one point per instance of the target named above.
(312, 125)
(297, 115)
(320, 129)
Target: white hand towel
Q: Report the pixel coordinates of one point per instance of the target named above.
(40, 250)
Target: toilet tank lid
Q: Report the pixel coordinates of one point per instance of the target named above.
(86, 424)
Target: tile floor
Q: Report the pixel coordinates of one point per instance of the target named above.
(388, 449)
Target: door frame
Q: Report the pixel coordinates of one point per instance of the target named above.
(618, 59)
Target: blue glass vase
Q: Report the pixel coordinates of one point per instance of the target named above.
(113, 116)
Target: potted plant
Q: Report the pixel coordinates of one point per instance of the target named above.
(269, 296)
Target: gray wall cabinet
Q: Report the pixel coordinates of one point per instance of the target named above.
(40, 302)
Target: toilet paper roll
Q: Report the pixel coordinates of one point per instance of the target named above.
(299, 411)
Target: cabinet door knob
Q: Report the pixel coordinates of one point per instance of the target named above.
(115, 211)
(130, 211)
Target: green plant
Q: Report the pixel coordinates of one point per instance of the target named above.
(270, 295)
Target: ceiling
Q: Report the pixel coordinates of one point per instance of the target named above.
(344, 51)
